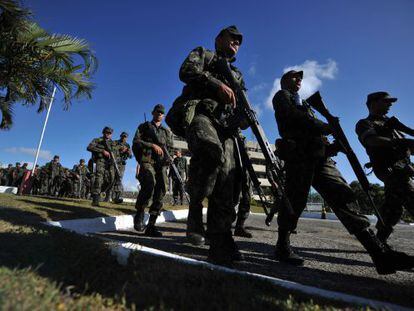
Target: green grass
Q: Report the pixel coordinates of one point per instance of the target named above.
(46, 268)
(49, 208)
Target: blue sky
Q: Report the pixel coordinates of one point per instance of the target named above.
(347, 48)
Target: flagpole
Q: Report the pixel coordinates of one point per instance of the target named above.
(43, 130)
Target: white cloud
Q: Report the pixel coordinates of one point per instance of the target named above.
(257, 88)
(43, 154)
(252, 69)
(313, 75)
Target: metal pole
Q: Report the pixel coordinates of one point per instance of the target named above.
(44, 128)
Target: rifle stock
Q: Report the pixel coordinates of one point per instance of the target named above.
(272, 162)
(316, 102)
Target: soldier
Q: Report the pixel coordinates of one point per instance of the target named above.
(104, 174)
(149, 140)
(181, 165)
(211, 142)
(55, 174)
(307, 153)
(36, 181)
(243, 197)
(125, 153)
(81, 172)
(6, 175)
(389, 154)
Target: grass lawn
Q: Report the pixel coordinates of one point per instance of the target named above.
(46, 268)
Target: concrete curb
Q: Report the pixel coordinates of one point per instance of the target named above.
(113, 223)
(123, 250)
(4, 189)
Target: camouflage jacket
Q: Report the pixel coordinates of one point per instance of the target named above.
(123, 156)
(381, 157)
(54, 169)
(81, 170)
(181, 165)
(147, 134)
(202, 77)
(97, 147)
(299, 126)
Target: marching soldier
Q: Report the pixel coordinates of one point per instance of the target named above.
(104, 174)
(181, 165)
(150, 140)
(55, 174)
(307, 153)
(211, 142)
(125, 153)
(81, 172)
(389, 154)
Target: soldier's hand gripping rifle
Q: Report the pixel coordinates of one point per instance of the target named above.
(272, 162)
(117, 172)
(244, 157)
(316, 102)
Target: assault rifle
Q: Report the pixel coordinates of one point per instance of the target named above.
(316, 102)
(272, 162)
(118, 173)
(245, 161)
(176, 172)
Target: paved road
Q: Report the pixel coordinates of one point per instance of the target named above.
(334, 259)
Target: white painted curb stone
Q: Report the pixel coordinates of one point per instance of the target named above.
(123, 250)
(4, 189)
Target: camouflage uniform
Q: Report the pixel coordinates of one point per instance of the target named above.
(15, 174)
(211, 141)
(153, 168)
(54, 177)
(307, 165)
(80, 184)
(104, 171)
(181, 165)
(243, 192)
(123, 157)
(391, 165)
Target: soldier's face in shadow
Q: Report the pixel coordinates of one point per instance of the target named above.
(380, 107)
(228, 44)
(157, 116)
(293, 83)
(108, 135)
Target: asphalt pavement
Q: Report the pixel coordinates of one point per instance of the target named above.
(334, 259)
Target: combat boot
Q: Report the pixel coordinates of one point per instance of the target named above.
(236, 255)
(118, 199)
(240, 230)
(139, 220)
(385, 259)
(151, 230)
(220, 252)
(195, 228)
(95, 200)
(284, 252)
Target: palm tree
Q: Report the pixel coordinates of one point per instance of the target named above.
(33, 62)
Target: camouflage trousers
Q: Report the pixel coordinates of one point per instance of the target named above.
(80, 186)
(212, 175)
(178, 193)
(399, 194)
(104, 176)
(118, 188)
(153, 183)
(242, 194)
(323, 175)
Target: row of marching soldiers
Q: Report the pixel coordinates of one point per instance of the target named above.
(52, 179)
